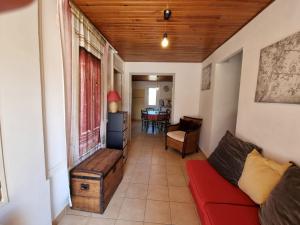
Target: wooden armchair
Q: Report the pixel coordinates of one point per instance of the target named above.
(184, 136)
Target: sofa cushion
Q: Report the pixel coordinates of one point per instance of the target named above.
(229, 157)
(260, 176)
(177, 135)
(208, 186)
(283, 205)
(226, 214)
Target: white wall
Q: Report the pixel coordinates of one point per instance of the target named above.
(275, 127)
(54, 107)
(186, 85)
(206, 111)
(21, 120)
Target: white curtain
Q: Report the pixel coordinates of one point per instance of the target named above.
(64, 16)
(88, 36)
(77, 31)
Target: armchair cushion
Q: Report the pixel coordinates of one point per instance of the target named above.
(187, 125)
(177, 135)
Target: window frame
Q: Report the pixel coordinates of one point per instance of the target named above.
(3, 189)
(149, 96)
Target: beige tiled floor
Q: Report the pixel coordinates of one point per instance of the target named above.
(153, 191)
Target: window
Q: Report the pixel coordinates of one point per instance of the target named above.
(90, 105)
(152, 96)
(3, 191)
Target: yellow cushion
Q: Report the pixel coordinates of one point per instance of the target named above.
(260, 176)
(177, 135)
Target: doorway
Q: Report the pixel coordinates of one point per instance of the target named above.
(226, 96)
(152, 94)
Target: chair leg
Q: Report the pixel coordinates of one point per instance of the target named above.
(147, 126)
(166, 145)
(182, 155)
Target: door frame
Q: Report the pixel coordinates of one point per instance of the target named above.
(130, 93)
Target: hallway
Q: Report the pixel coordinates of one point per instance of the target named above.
(153, 191)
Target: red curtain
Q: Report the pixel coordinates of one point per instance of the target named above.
(89, 118)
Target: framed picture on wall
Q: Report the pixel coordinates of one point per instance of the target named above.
(206, 78)
(279, 72)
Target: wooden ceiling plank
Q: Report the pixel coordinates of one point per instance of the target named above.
(196, 28)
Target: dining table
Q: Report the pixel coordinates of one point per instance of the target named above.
(156, 117)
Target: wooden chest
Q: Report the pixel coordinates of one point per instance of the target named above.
(94, 181)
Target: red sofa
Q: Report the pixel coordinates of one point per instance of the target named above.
(218, 201)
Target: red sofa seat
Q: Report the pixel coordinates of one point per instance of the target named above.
(214, 195)
(226, 214)
(209, 186)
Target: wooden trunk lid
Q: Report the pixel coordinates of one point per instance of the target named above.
(98, 164)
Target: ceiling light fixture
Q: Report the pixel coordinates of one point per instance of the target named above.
(165, 40)
(153, 77)
(167, 14)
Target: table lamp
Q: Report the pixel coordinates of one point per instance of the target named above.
(13, 4)
(113, 97)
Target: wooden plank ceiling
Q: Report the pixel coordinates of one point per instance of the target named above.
(195, 30)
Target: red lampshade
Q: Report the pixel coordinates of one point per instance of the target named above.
(13, 4)
(113, 96)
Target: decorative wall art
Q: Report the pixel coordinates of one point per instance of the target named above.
(206, 78)
(279, 72)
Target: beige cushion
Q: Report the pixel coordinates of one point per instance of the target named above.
(260, 176)
(177, 135)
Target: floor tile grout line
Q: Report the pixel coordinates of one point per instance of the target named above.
(152, 159)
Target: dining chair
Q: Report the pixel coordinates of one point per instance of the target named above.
(145, 121)
(163, 121)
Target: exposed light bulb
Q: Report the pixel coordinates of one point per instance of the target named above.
(165, 41)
